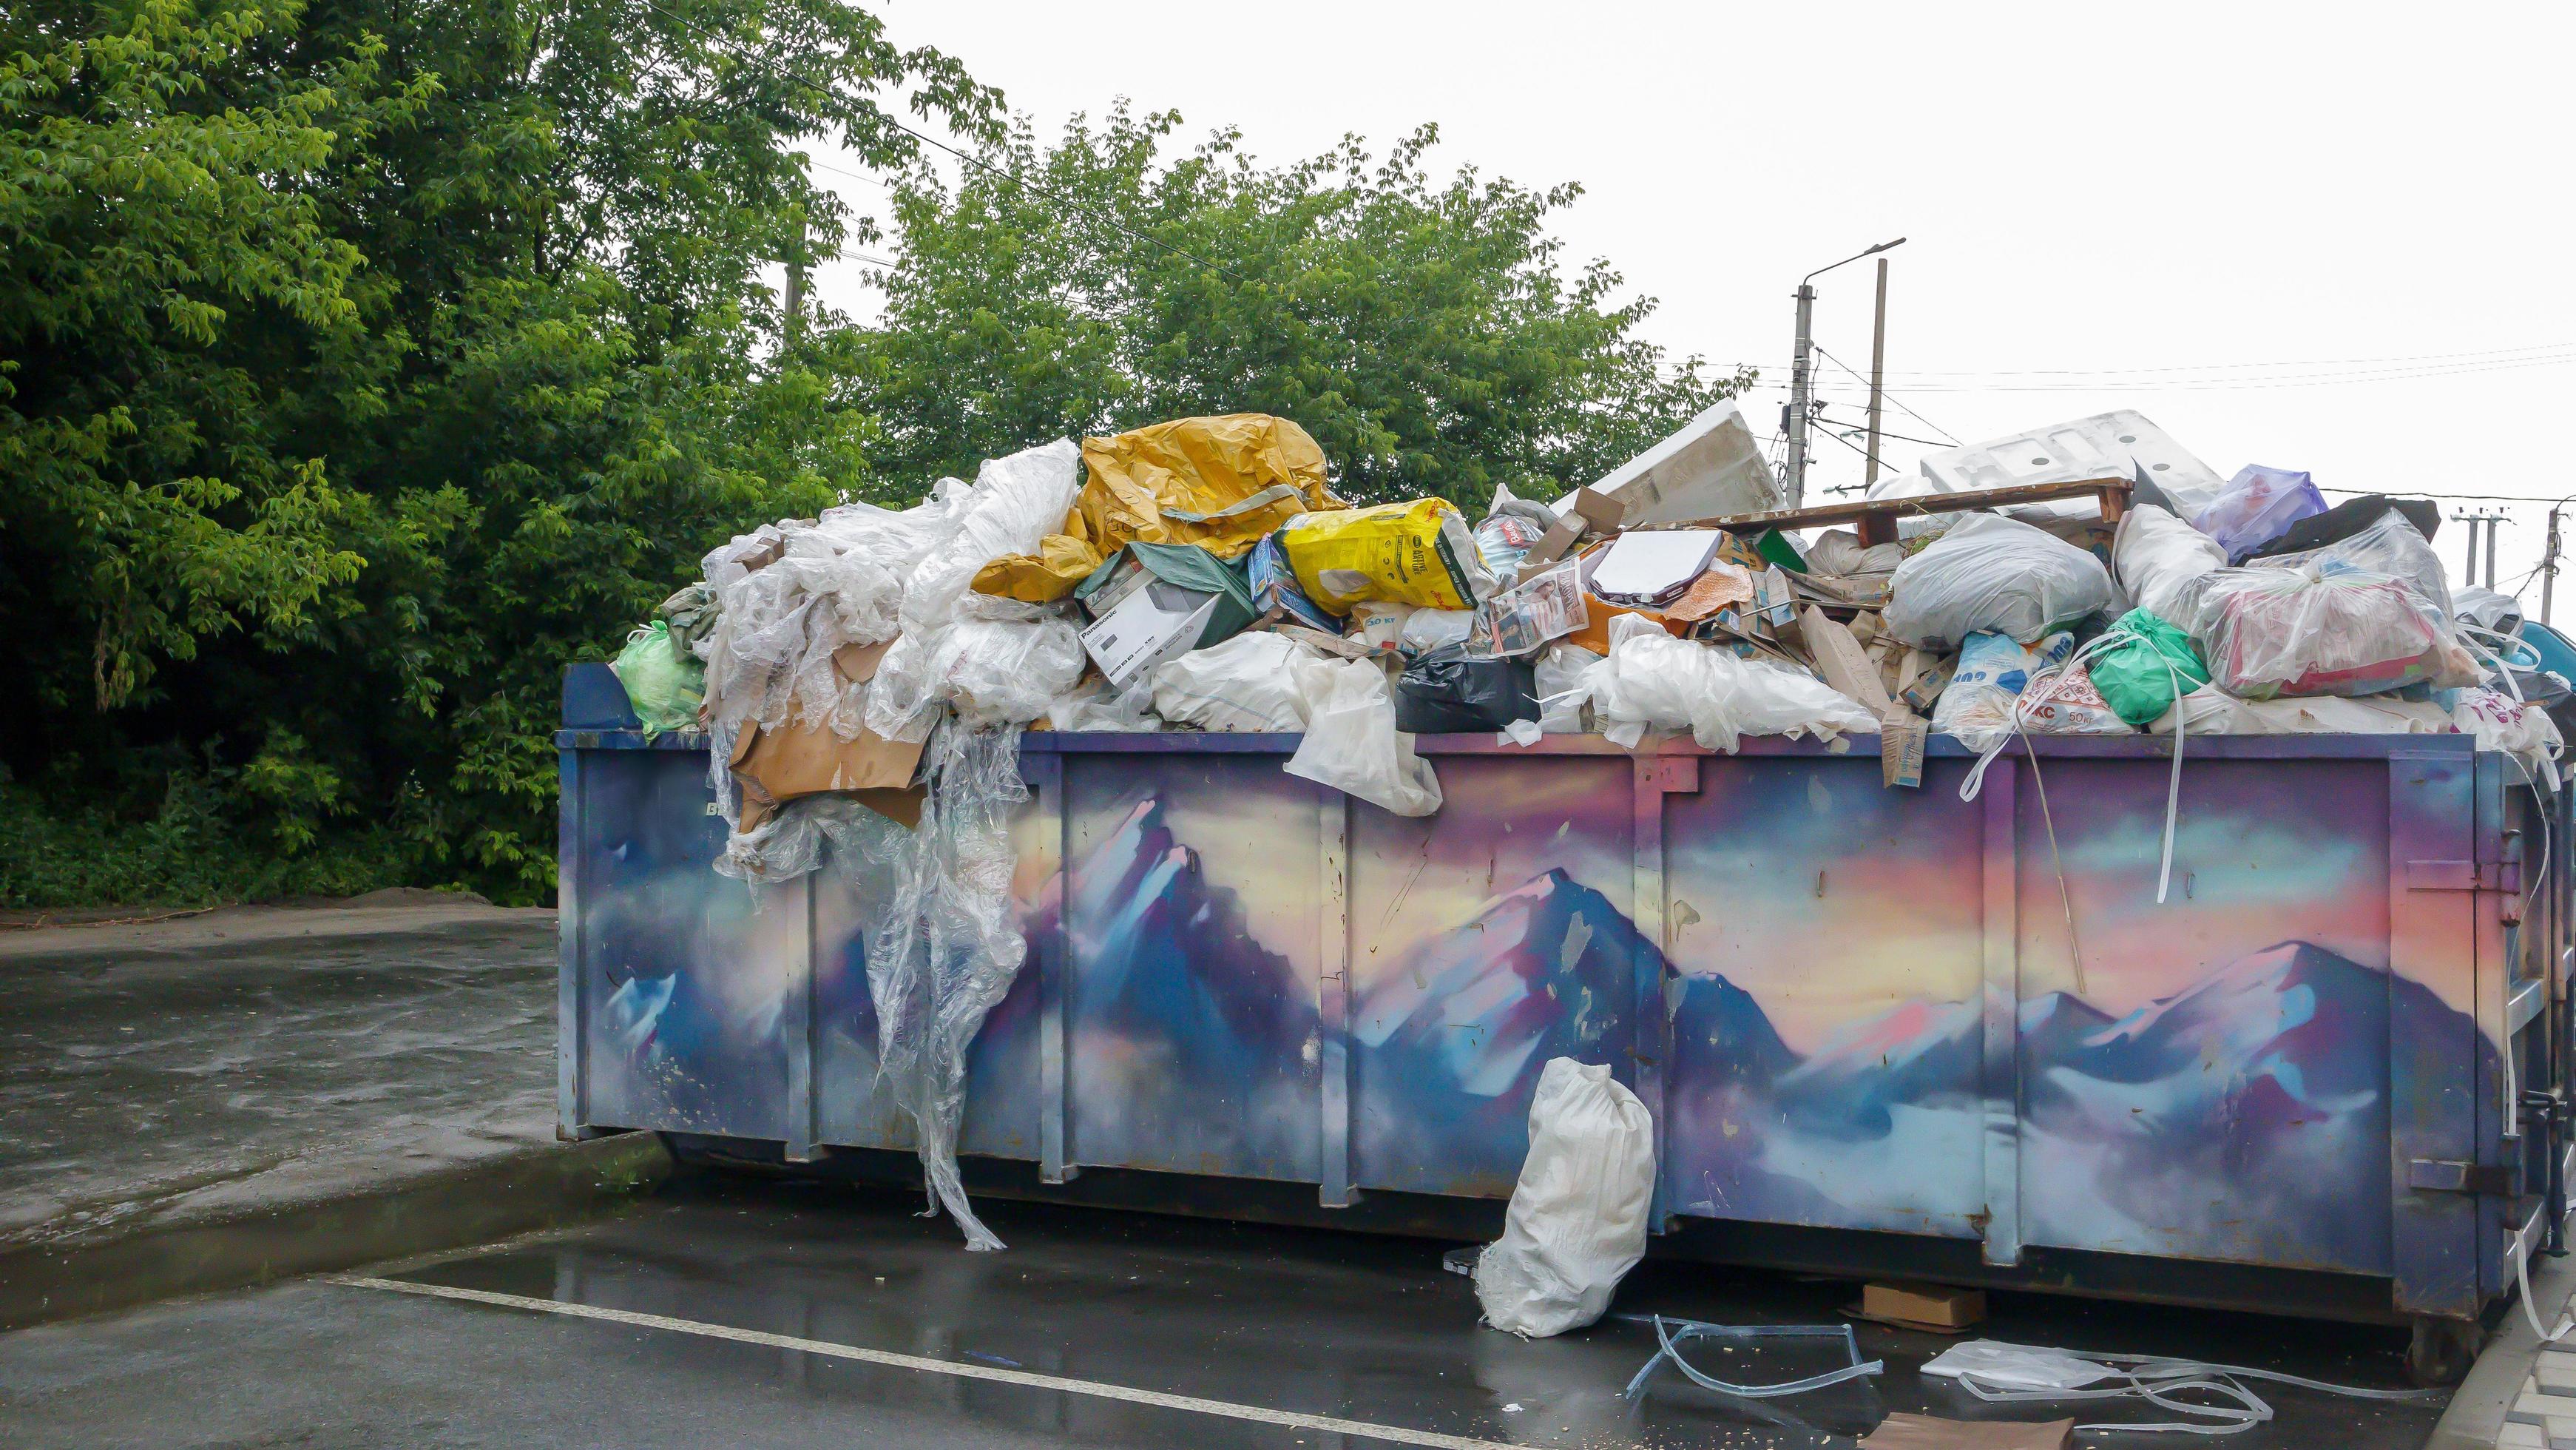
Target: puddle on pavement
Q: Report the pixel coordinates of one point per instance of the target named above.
(1360, 1327)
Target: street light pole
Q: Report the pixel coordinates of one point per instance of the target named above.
(1801, 374)
(1798, 385)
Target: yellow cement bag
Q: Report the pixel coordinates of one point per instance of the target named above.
(1221, 483)
(1406, 553)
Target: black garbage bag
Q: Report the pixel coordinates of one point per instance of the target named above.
(1446, 692)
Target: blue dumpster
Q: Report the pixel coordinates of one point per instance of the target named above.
(1879, 1030)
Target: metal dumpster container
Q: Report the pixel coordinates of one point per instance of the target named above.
(1879, 1030)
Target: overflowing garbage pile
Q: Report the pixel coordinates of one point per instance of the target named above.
(862, 677)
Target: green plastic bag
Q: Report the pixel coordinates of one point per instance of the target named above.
(2133, 674)
(664, 683)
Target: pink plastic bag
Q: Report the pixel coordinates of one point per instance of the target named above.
(2267, 632)
(2258, 505)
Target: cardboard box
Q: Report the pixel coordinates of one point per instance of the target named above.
(1155, 623)
(1925, 675)
(1587, 512)
(1937, 1306)
(1902, 734)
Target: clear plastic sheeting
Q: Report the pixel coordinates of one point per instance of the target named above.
(791, 843)
(1351, 741)
(1558, 678)
(1652, 681)
(947, 944)
(1991, 574)
(2210, 710)
(2387, 545)
(993, 671)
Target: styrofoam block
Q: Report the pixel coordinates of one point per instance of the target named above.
(2118, 444)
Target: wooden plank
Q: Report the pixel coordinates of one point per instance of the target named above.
(1878, 516)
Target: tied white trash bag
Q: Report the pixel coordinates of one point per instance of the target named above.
(1991, 574)
(1652, 681)
(2157, 556)
(1577, 1221)
(1558, 679)
(1241, 683)
(1351, 741)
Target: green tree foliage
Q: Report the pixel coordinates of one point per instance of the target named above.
(1421, 329)
(362, 363)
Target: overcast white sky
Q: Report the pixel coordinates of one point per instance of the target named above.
(2319, 237)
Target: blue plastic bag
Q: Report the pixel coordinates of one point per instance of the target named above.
(2257, 506)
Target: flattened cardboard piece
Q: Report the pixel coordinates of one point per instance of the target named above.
(1840, 659)
(1925, 1432)
(778, 766)
(857, 663)
(1722, 586)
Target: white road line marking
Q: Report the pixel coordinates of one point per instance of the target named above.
(1289, 1419)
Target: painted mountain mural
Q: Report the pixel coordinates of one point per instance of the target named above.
(1193, 1045)
(1448, 1040)
(2244, 1117)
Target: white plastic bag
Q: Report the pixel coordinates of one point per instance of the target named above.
(1840, 551)
(1426, 630)
(1577, 1221)
(994, 671)
(1351, 741)
(1991, 574)
(2210, 710)
(1976, 707)
(2157, 556)
(1652, 681)
(1242, 683)
(2063, 701)
(1557, 679)
(2522, 731)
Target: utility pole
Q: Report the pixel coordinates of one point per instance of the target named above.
(2470, 564)
(1798, 384)
(2493, 520)
(2549, 563)
(1801, 374)
(1877, 371)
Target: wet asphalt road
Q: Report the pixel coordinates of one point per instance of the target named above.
(1361, 1328)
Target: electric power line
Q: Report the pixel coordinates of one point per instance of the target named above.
(1891, 397)
(2511, 354)
(1883, 433)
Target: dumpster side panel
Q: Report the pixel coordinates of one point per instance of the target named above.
(1827, 1031)
(2213, 1083)
(688, 986)
(1485, 940)
(1190, 938)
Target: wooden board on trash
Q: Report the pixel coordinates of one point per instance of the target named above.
(1875, 519)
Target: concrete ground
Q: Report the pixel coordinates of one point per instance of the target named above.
(286, 1068)
(759, 1314)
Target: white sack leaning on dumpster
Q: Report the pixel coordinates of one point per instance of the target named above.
(863, 677)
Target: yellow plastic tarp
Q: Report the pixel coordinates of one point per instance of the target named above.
(1221, 483)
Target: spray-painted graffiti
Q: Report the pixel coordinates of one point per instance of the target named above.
(2208, 1078)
